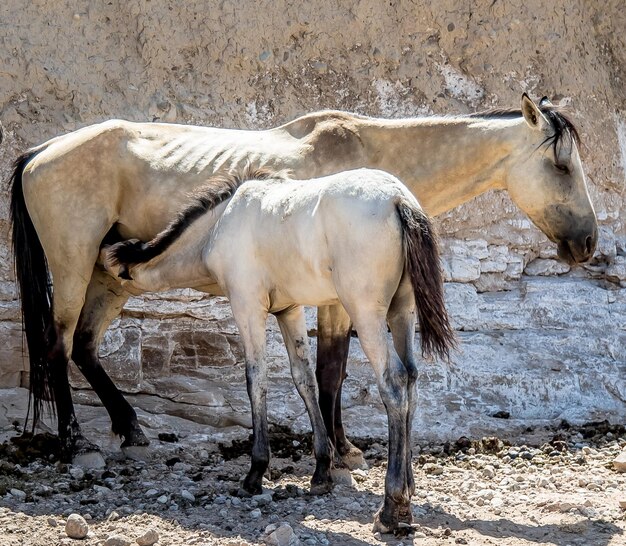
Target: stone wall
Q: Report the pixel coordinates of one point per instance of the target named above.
(539, 341)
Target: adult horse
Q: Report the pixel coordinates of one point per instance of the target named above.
(356, 238)
(121, 180)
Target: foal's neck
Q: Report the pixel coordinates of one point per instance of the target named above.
(443, 161)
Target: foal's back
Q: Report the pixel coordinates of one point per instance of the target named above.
(302, 241)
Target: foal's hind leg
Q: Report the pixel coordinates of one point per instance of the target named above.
(391, 376)
(402, 320)
(333, 344)
(104, 301)
(293, 328)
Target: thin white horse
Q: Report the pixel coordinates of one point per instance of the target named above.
(357, 238)
(118, 180)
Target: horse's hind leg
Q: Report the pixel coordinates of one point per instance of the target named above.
(333, 343)
(103, 302)
(293, 328)
(402, 320)
(69, 293)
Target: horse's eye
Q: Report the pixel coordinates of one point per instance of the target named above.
(562, 168)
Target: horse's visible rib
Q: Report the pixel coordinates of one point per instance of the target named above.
(215, 191)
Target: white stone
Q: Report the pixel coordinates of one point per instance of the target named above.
(76, 526)
(619, 463)
(117, 540)
(150, 537)
(282, 536)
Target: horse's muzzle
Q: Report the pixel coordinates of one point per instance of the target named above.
(578, 250)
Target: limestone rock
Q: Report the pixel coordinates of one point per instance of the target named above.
(150, 537)
(619, 463)
(76, 526)
(542, 266)
(117, 540)
(283, 535)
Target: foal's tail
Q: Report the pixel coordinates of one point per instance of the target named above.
(33, 279)
(421, 255)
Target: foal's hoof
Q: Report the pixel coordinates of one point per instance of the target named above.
(253, 486)
(136, 453)
(382, 527)
(321, 488)
(353, 459)
(89, 460)
(405, 514)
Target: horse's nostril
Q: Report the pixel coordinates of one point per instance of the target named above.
(589, 244)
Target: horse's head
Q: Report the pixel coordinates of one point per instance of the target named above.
(548, 183)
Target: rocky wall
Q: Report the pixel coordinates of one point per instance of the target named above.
(540, 341)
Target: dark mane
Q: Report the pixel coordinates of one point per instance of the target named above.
(217, 189)
(561, 124)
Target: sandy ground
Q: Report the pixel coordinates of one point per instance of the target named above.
(561, 492)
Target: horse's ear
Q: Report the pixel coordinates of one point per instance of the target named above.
(533, 115)
(545, 101)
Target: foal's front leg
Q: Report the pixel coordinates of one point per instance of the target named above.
(293, 328)
(251, 323)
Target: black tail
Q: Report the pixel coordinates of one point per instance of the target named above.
(421, 256)
(33, 279)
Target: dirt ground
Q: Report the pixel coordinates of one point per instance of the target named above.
(562, 492)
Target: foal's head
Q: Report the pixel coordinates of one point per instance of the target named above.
(546, 180)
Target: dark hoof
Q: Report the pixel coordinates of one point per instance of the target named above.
(82, 452)
(405, 514)
(321, 488)
(134, 437)
(253, 485)
(394, 518)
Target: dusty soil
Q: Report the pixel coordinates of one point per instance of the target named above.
(561, 492)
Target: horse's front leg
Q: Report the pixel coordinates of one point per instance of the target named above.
(333, 344)
(293, 327)
(251, 320)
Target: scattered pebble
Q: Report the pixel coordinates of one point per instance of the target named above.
(149, 538)
(76, 526)
(117, 540)
(283, 535)
(619, 463)
(433, 469)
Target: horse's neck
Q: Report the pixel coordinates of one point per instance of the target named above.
(443, 161)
